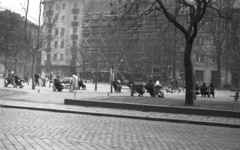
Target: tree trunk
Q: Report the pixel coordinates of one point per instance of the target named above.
(5, 72)
(219, 70)
(189, 78)
(73, 62)
(15, 66)
(33, 70)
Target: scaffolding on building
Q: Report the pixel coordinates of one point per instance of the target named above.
(132, 52)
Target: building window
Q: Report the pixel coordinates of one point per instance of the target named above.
(63, 18)
(48, 57)
(74, 44)
(75, 5)
(62, 44)
(55, 57)
(56, 31)
(74, 31)
(61, 57)
(50, 7)
(199, 76)
(62, 31)
(63, 6)
(200, 58)
(57, 6)
(56, 44)
(75, 18)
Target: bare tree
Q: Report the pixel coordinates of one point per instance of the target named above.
(233, 31)
(12, 44)
(34, 37)
(218, 27)
(185, 15)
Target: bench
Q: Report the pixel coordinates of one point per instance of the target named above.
(66, 84)
(11, 80)
(172, 91)
(236, 96)
(137, 88)
(195, 94)
(141, 89)
(8, 81)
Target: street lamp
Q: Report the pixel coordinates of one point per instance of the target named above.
(96, 76)
(111, 79)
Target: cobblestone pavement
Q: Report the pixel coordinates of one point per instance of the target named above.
(48, 99)
(196, 119)
(41, 130)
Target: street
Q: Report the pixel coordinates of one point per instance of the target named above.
(43, 130)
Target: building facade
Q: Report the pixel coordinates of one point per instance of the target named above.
(63, 30)
(84, 39)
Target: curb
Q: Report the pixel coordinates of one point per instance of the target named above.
(154, 108)
(123, 116)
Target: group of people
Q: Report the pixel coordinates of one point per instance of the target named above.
(205, 90)
(14, 79)
(154, 89)
(60, 87)
(150, 87)
(40, 80)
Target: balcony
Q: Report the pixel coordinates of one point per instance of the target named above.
(49, 13)
(74, 23)
(74, 37)
(48, 49)
(75, 10)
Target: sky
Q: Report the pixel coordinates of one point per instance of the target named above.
(19, 5)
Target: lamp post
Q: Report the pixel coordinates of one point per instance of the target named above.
(96, 76)
(111, 80)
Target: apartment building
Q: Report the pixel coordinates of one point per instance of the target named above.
(62, 28)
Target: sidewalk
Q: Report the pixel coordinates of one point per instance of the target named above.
(44, 99)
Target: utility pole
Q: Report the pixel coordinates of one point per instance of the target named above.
(111, 80)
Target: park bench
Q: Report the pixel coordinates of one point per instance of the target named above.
(173, 91)
(66, 84)
(11, 81)
(71, 83)
(236, 96)
(139, 89)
